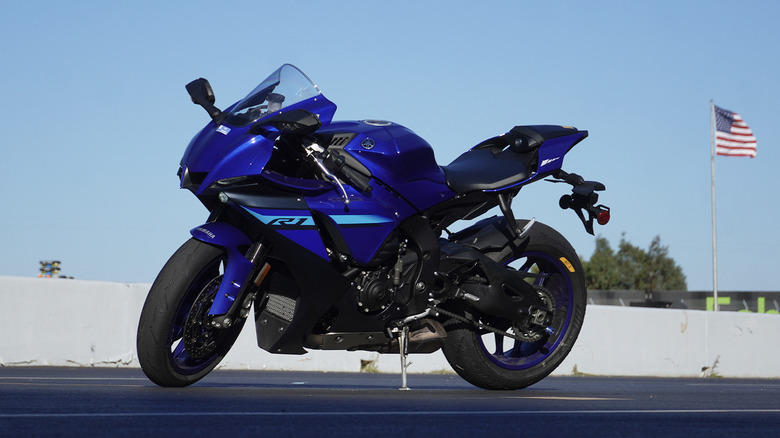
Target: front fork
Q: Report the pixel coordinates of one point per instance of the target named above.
(243, 272)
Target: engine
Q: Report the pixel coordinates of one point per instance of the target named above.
(375, 290)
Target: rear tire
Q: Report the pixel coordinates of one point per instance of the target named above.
(175, 345)
(493, 361)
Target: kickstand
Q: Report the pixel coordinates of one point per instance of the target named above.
(403, 349)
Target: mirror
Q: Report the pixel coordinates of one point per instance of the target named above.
(200, 91)
(201, 94)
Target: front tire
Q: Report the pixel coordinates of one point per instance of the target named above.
(176, 346)
(492, 361)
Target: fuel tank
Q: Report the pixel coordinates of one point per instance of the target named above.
(397, 157)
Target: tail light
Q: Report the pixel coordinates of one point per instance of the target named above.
(603, 217)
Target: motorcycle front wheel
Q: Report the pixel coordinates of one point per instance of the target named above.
(492, 360)
(176, 344)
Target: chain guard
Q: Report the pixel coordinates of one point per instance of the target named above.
(524, 331)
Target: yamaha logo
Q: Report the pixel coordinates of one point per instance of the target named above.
(368, 143)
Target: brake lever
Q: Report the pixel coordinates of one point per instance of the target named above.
(312, 150)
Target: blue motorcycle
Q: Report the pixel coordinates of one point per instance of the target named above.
(336, 235)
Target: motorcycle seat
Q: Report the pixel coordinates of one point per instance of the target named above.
(503, 160)
(486, 169)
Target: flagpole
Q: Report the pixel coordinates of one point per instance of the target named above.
(714, 227)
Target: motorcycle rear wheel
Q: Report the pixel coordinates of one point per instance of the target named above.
(176, 345)
(493, 361)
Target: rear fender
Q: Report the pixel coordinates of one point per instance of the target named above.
(490, 236)
(237, 267)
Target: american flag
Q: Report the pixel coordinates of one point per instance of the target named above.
(732, 136)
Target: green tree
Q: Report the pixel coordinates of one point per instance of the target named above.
(633, 268)
(661, 272)
(601, 271)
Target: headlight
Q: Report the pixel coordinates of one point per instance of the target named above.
(231, 181)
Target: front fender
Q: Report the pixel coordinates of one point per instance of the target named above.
(237, 267)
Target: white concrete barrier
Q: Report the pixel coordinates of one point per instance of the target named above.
(632, 341)
(68, 322)
(57, 322)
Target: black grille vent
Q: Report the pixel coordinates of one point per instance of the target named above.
(341, 140)
(281, 306)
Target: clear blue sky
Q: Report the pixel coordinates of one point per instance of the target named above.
(94, 116)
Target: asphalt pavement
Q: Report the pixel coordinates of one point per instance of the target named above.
(90, 402)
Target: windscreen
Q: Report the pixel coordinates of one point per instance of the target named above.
(284, 87)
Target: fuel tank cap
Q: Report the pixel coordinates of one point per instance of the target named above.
(377, 122)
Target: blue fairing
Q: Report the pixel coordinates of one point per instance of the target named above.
(367, 223)
(553, 150)
(364, 226)
(296, 225)
(229, 150)
(226, 155)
